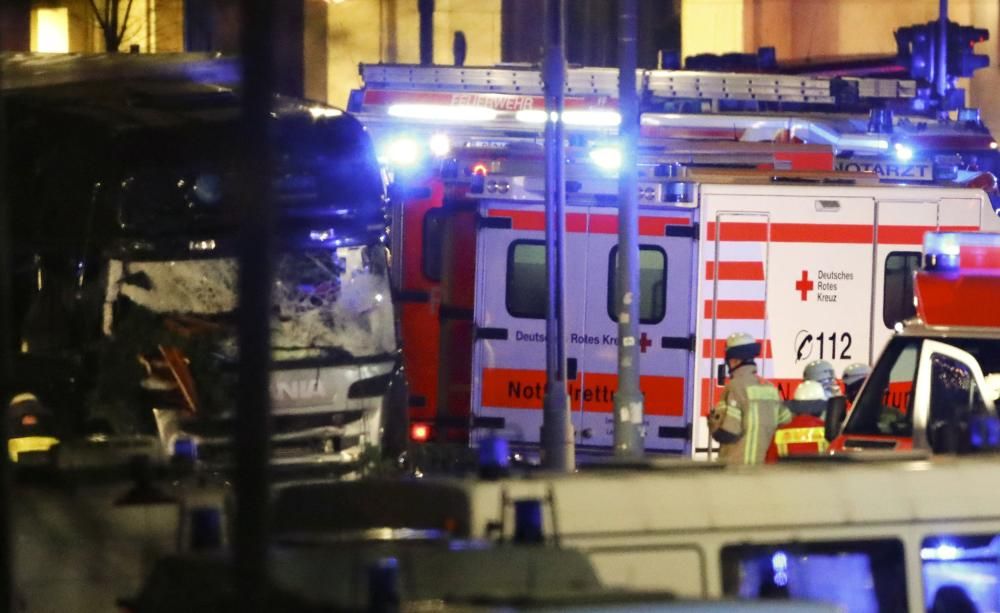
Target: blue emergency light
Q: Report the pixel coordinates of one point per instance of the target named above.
(943, 250)
(607, 158)
(942, 551)
(185, 448)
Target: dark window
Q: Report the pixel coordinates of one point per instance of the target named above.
(432, 236)
(885, 406)
(652, 284)
(960, 573)
(955, 402)
(526, 295)
(897, 300)
(856, 575)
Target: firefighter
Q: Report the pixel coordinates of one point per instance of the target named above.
(805, 435)
(854, 377)
(750, 409)
(822, 372)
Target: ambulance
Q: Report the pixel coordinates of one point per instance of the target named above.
(934, 386)
(813, 269)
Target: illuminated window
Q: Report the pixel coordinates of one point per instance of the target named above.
(50, 30)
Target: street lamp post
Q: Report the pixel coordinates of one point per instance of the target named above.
(628, 402)
(557, 430)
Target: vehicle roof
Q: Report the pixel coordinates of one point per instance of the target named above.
(138, 103)
(700, 497)
(917, 328)
(888, 191)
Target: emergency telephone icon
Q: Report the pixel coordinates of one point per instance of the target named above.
(803, 345)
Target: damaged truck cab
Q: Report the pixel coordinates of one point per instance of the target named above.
(125, 197)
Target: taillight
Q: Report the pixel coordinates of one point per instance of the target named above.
(420, 433)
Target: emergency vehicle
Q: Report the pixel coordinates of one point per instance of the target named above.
(444, 129)
(890, 534)
(406, 107)
(935, 384)
(812, 270)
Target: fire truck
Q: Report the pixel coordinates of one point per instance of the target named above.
(935, 385)
(401, 102)
(479, 155)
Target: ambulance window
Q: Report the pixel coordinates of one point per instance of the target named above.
(960, 572)
(526, 296)
(652, 283)
(859, 576)
(432, 235)
(897, 300)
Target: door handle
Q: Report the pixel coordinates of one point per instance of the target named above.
(571, 369)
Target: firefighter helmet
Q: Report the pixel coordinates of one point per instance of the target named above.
(810, 390)
(856, 372)
(822, 372)
(741, 346)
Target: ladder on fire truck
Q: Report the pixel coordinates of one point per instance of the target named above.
(708, 87)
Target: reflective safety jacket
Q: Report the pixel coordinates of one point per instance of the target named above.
(805, 435)
(746, 417)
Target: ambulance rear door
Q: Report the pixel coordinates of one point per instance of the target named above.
(790, 265)
(509, 357)
(666, 248)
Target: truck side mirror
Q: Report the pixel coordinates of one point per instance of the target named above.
(836, 409)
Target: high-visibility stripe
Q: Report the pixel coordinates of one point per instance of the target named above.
(793, 232)
(800, 441)
(648, 226)
(735, 271)
(525, 388)
(826, 233)
(735, 309)
(582, 223)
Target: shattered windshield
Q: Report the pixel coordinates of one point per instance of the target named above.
(327, 303)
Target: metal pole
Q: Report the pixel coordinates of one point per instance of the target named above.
(426, 10)
(941, 70)
(254, 333)
(557, 430)
(6, 375)
(629, 431)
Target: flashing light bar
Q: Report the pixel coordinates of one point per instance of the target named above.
(438, 112)
(954, 251)
(590, 117)
(944, 551)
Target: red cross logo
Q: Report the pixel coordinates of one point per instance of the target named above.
(644, 342)
(804, 285)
